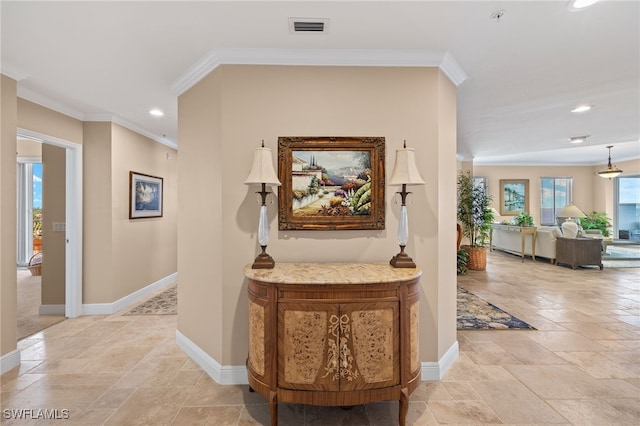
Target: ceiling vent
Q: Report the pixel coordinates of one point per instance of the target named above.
(308, 25)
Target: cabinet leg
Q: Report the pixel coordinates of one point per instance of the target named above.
(404, 406)
(273, 407)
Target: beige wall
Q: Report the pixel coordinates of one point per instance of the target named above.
(37, 118)
(446, 193)
(590, 192)
(97, 267)
(53, 210)
(8, 220)
(221, 122)
(200, 195)
(30, 149)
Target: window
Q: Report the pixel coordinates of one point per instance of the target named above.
(627, 190)
(555, 193)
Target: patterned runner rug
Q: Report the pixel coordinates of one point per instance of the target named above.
(477, 314)
(165, 303)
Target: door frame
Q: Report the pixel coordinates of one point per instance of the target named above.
(73, 219)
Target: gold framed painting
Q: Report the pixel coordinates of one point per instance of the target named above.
(331, 183)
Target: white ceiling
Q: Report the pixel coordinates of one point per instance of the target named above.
(116, 60)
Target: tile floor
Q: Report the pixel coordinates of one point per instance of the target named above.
(582, 365)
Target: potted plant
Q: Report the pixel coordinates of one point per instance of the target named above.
(596, 220)
(523, 219)
(475, 217)
(463, 259)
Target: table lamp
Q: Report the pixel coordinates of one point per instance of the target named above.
(405, 172)
(262, 172)
(569, 226)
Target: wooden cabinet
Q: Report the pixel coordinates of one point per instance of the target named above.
(579, 251)
(337, 334)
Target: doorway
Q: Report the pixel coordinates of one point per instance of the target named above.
(32, 315)
(72, 218)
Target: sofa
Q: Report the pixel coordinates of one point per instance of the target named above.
(509, 238)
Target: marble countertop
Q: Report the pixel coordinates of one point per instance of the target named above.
(332, 273)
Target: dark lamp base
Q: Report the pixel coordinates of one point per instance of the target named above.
(263, 261)
(402, 260)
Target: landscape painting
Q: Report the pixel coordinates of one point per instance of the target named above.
(331, 183)
(514, 196)
(145, 196)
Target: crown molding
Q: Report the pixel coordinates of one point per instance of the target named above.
(17, 76)
(452, 69)
(319, 57)
(128, 125)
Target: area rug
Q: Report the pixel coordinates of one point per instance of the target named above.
(165, 303)
(477, 314)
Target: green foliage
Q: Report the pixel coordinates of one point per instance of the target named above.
(463, 259)
(596, 220)
(363, 199)
(474, 213)
(523, 219)
(313, 186)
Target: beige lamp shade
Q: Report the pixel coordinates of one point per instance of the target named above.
(405, 170)
(570, 228)
(262, 170)
(571, 211)
(495, 213)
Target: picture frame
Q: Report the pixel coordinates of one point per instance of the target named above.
(331, 183)
(514, 196)
(145, 196)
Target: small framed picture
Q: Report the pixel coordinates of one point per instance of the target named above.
(145, 196)
(514, 196)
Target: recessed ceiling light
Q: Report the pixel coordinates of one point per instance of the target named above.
(578, 139)
(581, 108)
(156, 112)
(580, 4)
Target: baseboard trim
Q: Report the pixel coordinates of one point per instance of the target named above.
(51, 310)
(224, 375)
(437, 370)
(237, 374)
(9, 361)
(136, 296)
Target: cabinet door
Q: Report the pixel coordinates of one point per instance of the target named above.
(306, 346)
(369, 345)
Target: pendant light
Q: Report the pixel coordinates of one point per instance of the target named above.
(610, 171)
